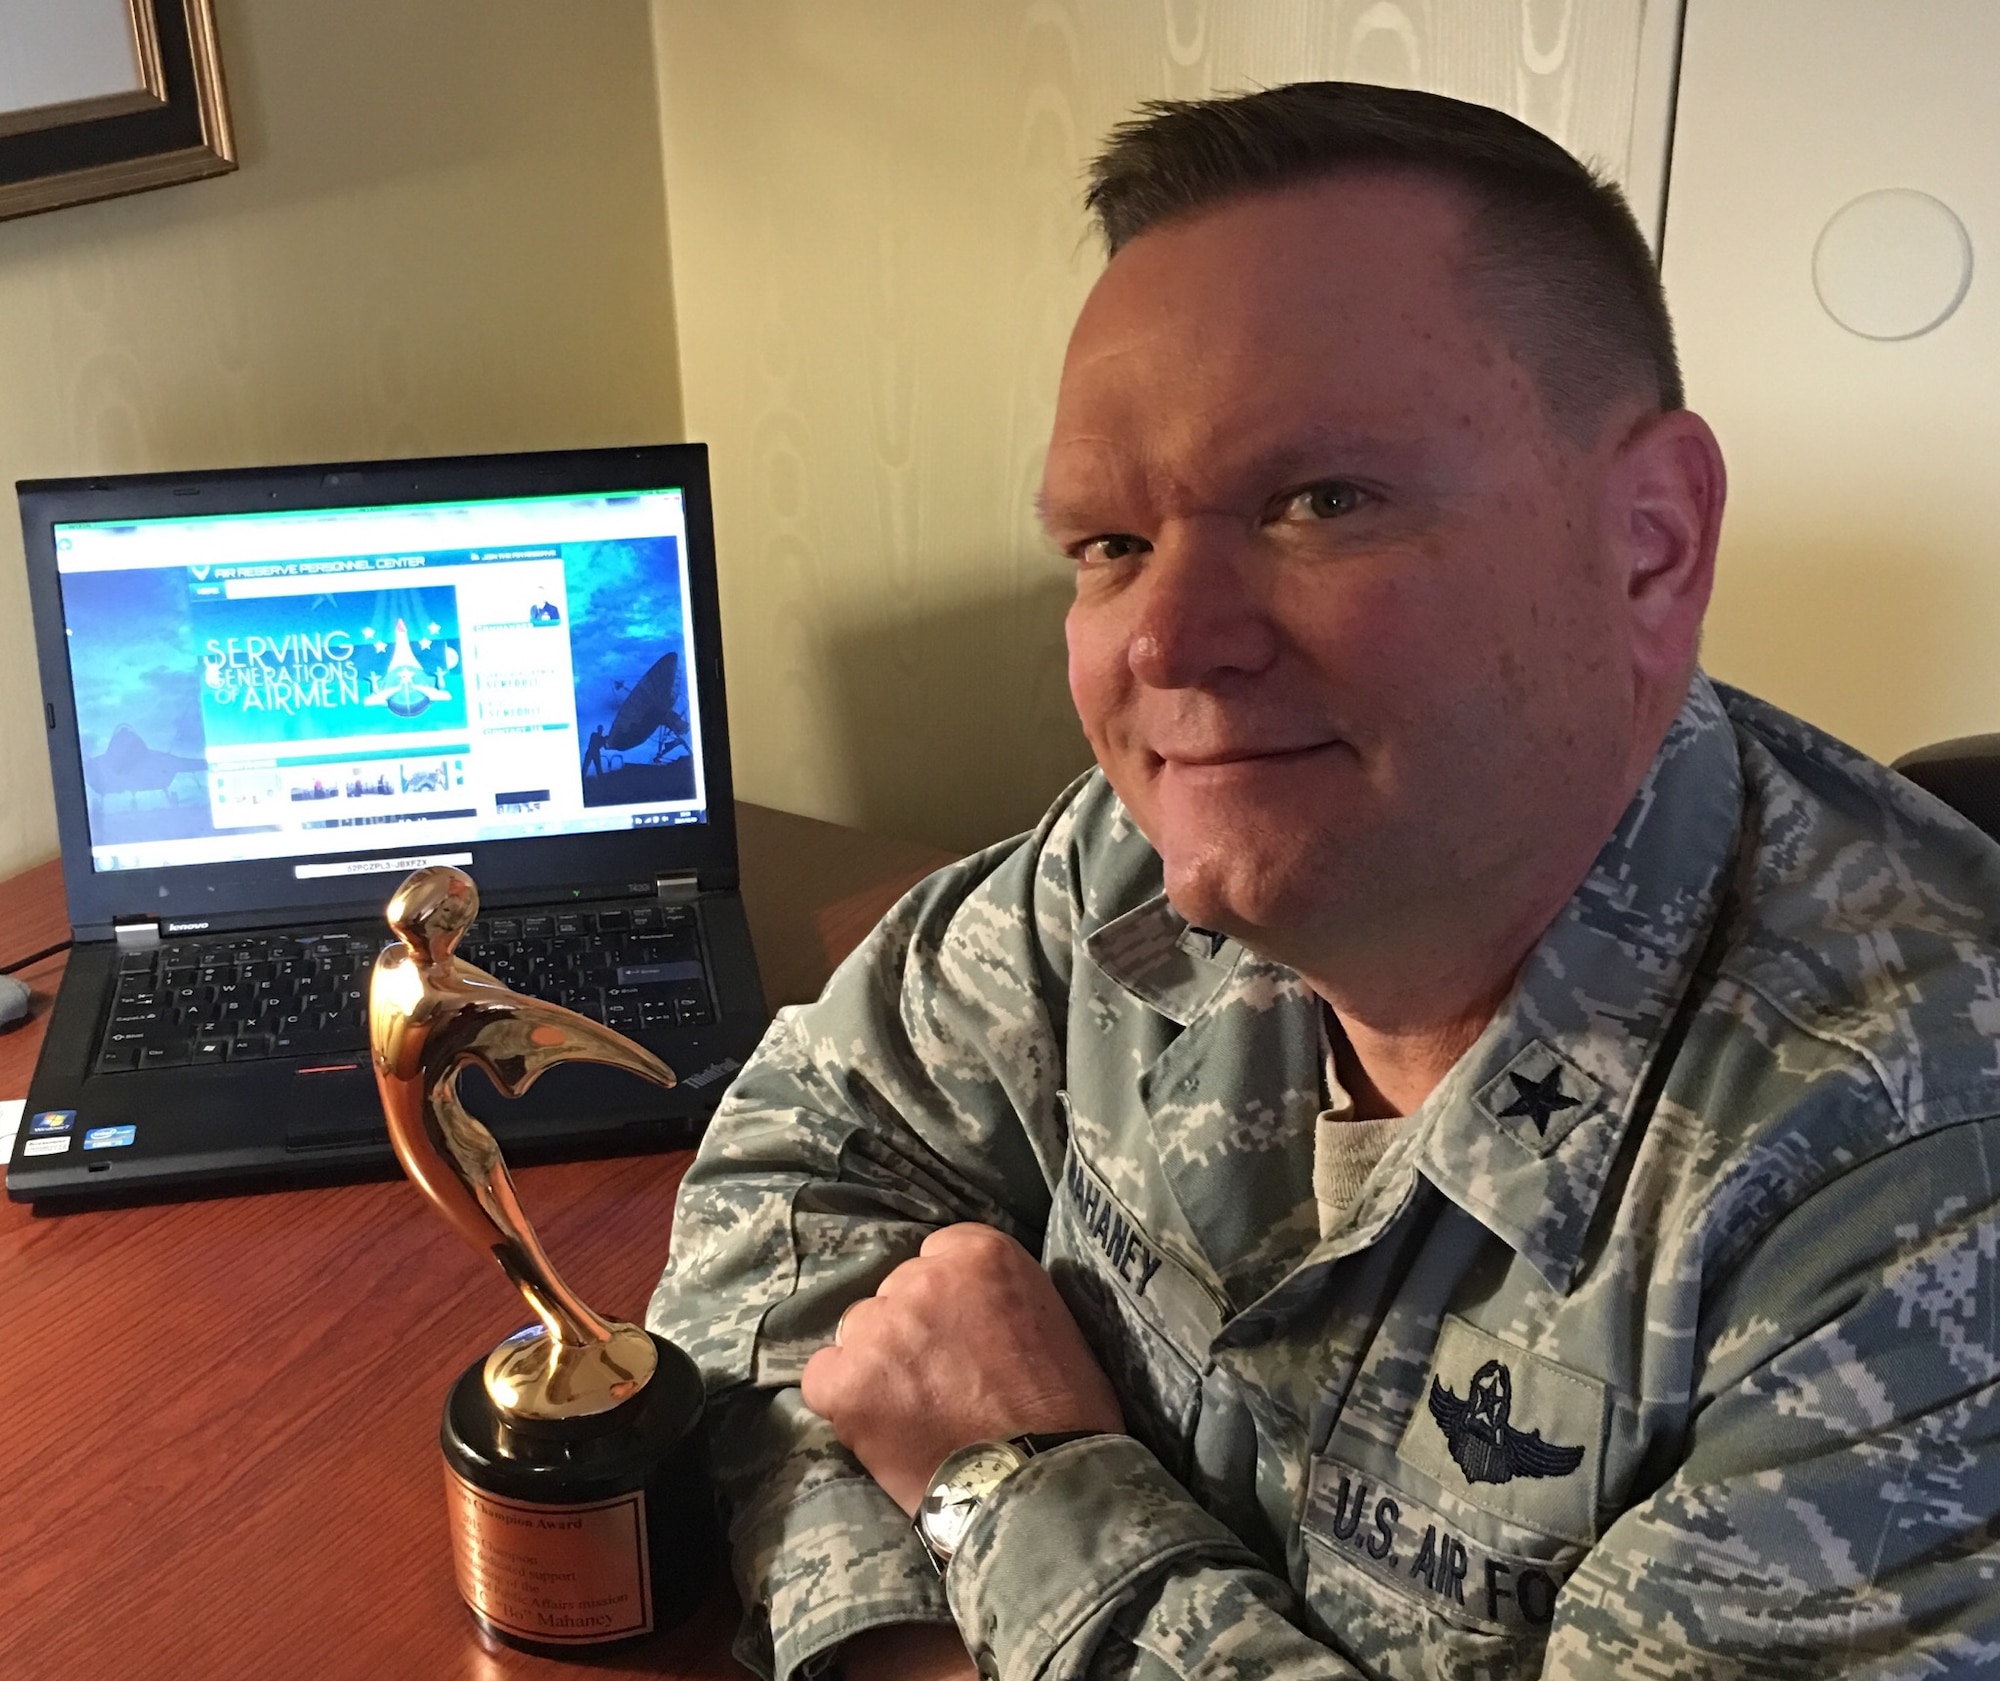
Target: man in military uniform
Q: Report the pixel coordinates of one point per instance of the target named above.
(1463, 1148)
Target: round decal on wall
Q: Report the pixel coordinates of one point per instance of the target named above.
(1892, 264)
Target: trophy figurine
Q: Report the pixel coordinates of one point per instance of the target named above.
(575, 1471)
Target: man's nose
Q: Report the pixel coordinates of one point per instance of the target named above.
(1203, 612)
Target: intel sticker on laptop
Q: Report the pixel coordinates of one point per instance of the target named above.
(51, 1121)
(109, 1138)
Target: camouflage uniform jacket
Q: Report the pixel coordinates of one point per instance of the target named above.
(1663, 1342)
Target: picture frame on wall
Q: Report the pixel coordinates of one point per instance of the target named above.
(104, 97)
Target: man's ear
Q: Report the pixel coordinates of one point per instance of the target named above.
(1668, 486)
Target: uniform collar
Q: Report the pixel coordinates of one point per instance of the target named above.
(1525, 1129)
(1163, 960)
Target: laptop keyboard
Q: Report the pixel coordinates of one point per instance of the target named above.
(246, 998)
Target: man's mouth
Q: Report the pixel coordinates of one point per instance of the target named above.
(1219, 759)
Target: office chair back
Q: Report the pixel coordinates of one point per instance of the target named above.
(1964, 773)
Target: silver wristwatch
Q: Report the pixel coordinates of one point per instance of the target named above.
(966, 1481)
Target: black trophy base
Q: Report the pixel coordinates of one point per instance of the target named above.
(587, 1536)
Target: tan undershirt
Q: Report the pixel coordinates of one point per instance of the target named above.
(1345, 1150)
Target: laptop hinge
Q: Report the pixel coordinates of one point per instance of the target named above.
(146, 933)
(678, 888)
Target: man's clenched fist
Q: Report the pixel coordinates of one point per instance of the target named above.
(968, 1342)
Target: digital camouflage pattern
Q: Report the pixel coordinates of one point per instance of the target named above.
(1662, 1342)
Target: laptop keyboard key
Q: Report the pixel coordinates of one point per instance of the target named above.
(164, 1053)
(316, 1041)
(658, 974)
(249, 1047)
(212, 1049)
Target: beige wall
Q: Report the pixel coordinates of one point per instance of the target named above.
(447, 235)
(877, 257)
(1859, 582)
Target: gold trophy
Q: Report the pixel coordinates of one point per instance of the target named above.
(575, 1471)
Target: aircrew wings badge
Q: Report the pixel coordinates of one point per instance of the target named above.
(1486, 1447)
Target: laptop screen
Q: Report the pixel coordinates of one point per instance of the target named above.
(303, 684)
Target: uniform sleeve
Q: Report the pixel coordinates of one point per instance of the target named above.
(921, 1090)
(1836, 1509)
(1092, 1564)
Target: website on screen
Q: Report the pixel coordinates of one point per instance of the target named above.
(293, 685)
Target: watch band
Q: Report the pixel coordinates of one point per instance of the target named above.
(943, 1511)
(1048, 1441)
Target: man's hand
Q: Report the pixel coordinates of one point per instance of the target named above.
(969, 1342)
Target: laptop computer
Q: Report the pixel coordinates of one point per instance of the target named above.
(270, 694)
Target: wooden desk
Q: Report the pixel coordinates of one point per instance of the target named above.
(218, 1420)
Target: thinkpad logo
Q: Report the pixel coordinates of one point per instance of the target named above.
(713, 1072)
(1487, 1448)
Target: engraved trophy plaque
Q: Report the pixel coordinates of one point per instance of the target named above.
(575, 1471)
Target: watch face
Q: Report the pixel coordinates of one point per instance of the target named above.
(962, 1484)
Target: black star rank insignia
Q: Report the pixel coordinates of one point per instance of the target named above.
(1487, 1448)
(1537, 1100)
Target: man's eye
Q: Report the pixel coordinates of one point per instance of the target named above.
(1102, 551)
(1324, 501)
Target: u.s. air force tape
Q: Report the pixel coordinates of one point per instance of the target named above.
(1368, 1523)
